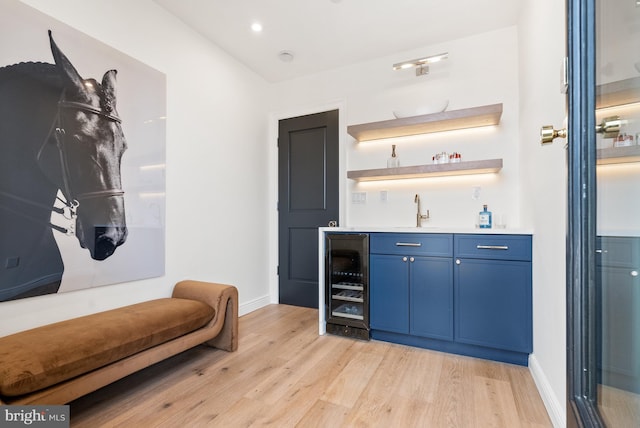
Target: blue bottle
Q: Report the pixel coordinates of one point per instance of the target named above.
(484, 218)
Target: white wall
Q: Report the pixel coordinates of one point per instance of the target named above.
(216, 229)
(480, 70)
(544, 182)
(520, 67)
(218, 124)
(618, 192)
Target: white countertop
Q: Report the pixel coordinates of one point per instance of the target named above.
(429, 229)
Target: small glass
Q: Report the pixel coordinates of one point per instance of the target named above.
(501, 221)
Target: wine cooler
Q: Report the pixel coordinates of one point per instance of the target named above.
(347, 284)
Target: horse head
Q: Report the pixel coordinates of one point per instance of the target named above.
(89, 140)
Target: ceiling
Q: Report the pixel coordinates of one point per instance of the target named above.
(327, 34)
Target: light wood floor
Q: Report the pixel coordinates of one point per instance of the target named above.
(285, 375)
(619, 408)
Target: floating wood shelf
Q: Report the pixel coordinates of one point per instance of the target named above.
(613, 94)
(618, 155)
(433, 170)
(428, 123)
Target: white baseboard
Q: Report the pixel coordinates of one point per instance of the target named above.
(551, 402)
(253, 305)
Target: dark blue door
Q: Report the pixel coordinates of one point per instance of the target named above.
(431, 310)
(308, 154)
(389, 304)
(493, 304)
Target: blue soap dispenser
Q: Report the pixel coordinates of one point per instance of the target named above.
(484, 218)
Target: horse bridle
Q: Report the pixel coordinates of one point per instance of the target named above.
(71, 201)
(60, 135)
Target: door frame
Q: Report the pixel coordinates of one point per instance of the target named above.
(581, 212)
(274, 119)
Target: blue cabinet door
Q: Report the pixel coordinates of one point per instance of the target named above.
(431, 297)
(493, 303)
(389, 293)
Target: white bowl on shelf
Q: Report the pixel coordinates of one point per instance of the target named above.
(430, 108)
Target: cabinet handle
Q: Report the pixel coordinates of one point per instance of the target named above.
(408, 244)
(404, 259)
(601, 251)
(411, 259)
(458, 261)
(492, 247)
(634, 273)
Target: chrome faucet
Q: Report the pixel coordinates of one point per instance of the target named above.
(420, 217)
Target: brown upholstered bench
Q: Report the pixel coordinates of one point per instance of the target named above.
(59, 362)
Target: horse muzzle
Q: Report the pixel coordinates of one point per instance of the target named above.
(107, 241)
(104, 240)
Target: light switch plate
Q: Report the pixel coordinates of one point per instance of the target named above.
(475, 192)
(359, 197)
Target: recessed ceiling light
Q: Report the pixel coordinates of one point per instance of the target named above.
(286, 56)
(256, 27)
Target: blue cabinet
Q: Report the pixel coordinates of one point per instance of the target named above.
(492, 282)
(431, 297)
(618, 312)
(412, 284)
(493, 303)
(389, 298)
(465, 293)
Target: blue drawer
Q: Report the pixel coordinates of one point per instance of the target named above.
(618, 251)
(418, 244)
(497, 247)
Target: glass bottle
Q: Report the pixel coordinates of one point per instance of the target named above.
(393, 161)
(484, 218)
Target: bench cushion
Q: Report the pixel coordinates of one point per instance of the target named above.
(41, 357)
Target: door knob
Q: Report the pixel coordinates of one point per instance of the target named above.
(548, 134)
(609, 128)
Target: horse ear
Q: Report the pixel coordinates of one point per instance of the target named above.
(71, 78)
(109, 90)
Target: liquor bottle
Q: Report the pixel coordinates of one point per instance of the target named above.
(393, 161)
(484, 218)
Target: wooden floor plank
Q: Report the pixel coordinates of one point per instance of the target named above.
(352, 380)
(324, 414)
(285, 375)
(526, 396)
(302, 396)
(494, 403)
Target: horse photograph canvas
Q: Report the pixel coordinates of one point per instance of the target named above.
(82, 142)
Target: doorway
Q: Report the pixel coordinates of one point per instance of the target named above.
(603, 256)
(308, 198)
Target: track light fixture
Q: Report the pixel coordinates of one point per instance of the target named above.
(421, 64)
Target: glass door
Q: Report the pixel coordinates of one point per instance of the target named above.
(347, 284)
(603, 259)
(617, 284)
